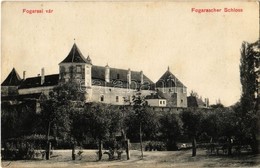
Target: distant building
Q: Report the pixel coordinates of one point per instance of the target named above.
(154, 100)
(173, 90)
(102, 83)
(11, 83)
(194, 101)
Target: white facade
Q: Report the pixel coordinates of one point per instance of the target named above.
(156, 102)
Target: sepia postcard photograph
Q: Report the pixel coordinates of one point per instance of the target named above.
(123, 83)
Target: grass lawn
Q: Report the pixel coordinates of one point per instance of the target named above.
(183, 159)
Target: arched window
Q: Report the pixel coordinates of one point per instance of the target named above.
(170, 82)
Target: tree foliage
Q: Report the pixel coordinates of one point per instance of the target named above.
(191, 119)
(18, 116)
(59, 106)
(248, 111)
(170, 129)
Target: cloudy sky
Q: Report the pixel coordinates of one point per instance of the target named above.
(201, 49)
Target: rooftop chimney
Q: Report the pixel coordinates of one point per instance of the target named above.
(107, 73)
(42, 76)
(24, 74)
(142, 77)
(129, 76)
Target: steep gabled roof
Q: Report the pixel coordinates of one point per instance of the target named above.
(50, 80)
(169, 80)
(75, 56)
(13, 79)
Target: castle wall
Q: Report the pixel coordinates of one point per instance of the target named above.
(182, 100)
(9, 90)
(176, 96)
(44, 89)
(112, 95)
(156, 102)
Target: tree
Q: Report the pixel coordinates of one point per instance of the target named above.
(209, 124)
(250, 54)
(218, 105)
(20, 116)
(170, 128)
(227, 125)
(150, 126)
(191, 119)
(140, 109)
(57, 110)
(102, 122)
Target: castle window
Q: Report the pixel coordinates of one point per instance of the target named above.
(117, 99)
(79, 68)
(102, 98)
(181, 101)
(117, 76)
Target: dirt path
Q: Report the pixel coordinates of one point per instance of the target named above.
(179, 159)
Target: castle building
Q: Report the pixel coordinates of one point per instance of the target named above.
(102, 83)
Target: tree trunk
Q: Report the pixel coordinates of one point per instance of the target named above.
(141, 141)
(100, 146)
(194, 146)
(48, 150)
(73, 152)
(254, 144)
(48, 147)
(127, 149)
(229, 146)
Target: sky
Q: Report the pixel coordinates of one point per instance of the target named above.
(201, 49)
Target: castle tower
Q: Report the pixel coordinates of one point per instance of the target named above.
(172, 89)
(11, 83)
(75, 67)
